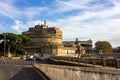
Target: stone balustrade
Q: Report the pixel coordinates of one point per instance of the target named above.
(58, 72)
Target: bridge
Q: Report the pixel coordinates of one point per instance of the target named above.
(61, 68)
(87, 62)
(20, 70)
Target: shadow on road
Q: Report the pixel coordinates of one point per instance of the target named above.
(27, 74)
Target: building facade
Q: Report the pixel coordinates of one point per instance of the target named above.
(77, 46)
(44, 40)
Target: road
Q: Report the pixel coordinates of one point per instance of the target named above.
(18, 72)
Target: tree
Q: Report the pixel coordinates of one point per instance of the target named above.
(103, 47)
(10, 42)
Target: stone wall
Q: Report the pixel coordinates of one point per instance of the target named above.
(44, 40)
(57, 72)
(69, 50)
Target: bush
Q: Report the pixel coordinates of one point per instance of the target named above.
(86, 55)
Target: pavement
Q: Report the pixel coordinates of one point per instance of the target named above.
(18, 72)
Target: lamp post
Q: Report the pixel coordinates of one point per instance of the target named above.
(4, 44)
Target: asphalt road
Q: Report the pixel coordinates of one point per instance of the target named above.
(18, 72)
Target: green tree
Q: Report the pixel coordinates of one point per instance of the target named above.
(10, 42)
(103, 47)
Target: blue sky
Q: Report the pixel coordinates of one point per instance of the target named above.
(98, 20)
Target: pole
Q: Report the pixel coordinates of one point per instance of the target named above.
(4, 44)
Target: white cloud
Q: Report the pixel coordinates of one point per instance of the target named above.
(33, 11)
(100, 25)
(71, 4)
(13, 12)
(96, 22)
(21, 27)
(6, 8)
(17, 26)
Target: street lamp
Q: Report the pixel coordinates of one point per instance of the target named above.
(4, 44)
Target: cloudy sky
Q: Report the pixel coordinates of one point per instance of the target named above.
(98, 20)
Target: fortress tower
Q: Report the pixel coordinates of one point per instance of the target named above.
(44, 40)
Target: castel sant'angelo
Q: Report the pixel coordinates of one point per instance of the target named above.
(48, 41)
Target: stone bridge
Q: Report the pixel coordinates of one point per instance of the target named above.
(58, 72)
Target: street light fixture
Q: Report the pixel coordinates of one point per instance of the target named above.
(4, 44)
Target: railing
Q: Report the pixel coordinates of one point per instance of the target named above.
(110, 55)
(17, 62)
(104, 62)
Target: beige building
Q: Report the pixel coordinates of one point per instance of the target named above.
(72, 47)
(44, 40)
(48, 41)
